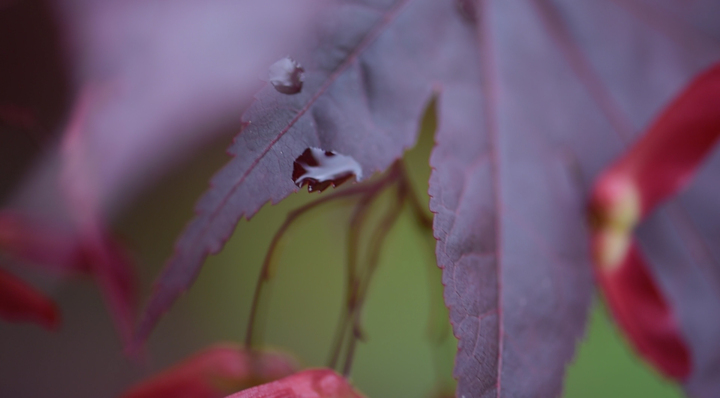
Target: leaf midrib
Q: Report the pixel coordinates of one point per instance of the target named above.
(489, 91)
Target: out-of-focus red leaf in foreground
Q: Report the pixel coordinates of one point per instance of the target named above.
(313, 383)
(20, 302)
(656, 167)
(214, 373)
(65, 250)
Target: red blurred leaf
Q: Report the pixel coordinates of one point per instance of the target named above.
(533, 100)
(313, 383)
(213, 373)
(61, 249)
(21, 303)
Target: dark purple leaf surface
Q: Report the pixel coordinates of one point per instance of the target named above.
(534, 99)
(680, 242)
(350, 103)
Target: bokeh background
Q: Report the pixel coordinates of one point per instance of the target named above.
(403, 317)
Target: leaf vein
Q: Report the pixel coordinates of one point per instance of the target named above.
(367, 41)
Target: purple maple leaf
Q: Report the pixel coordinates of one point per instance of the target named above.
(534, 98)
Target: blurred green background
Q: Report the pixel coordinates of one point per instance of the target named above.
(305, 298)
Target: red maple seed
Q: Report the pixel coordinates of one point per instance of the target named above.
(659, 165)
(644, 314)
(662, 162)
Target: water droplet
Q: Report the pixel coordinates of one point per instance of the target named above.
(468, 9)
(287, 76)
(319, 169)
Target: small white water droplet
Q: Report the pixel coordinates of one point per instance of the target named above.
(321, 169)
(287, 76)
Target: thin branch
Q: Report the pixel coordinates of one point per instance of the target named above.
(375, 247)
(419, 211)
(356, 223)
(360, 189)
